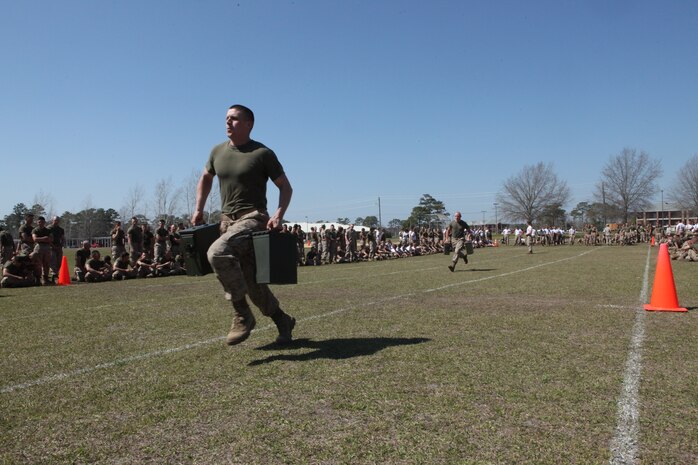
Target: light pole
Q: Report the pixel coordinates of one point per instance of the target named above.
(483, 219)
(662, 191)
(496, 219)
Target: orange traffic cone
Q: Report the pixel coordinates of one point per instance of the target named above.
(652, 242)
(63, 273)
(664, 298)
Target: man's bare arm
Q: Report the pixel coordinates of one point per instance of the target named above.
(285, 193)
(203, 188)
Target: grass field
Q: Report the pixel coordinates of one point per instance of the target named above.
(512, 359)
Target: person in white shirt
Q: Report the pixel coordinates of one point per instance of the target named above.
(505, 236)
(530, 236)
(572, 233)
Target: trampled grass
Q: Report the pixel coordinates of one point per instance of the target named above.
(511, 359)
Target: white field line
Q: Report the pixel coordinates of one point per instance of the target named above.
(347, 278)
(624, 444)
(157, 353)
(51, 311)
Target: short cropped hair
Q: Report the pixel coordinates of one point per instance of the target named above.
(243, 109)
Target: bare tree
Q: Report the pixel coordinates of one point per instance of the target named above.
(628, 181)
(46, 200)
(685, 191)
(166, 199)
(133, 203)
(526, 195)
(189, 194)
(214, 202)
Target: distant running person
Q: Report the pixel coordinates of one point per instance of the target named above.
(457, 232)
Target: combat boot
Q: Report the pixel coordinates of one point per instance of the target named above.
(285, 324)
(243, 323)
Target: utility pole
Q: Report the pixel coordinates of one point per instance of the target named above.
(603, 196)
(483, 219)
(496, 219)
(662, 191)
(380, 222)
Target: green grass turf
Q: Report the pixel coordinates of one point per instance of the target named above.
(513, 358)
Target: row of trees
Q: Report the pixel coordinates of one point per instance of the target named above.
(173, 202)
(627, 184)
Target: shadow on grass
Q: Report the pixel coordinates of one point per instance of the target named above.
(335, 349)
(477, 269)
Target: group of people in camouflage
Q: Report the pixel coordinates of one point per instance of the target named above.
(328, 245)
(149, 254)
(37, 258)
(682, 243)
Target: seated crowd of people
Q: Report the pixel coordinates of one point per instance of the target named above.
(36, 258)
(590, 235)
(347, 245)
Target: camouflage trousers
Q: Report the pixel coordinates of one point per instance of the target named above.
(232, 259)
(160, 249)
(6, 253)
(116, 251)
(41, 256)
(459, 250)
(56, 259)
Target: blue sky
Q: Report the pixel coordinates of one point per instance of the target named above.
(359, 99)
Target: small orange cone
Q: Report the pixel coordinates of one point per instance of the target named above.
(652, 242)
(664, 298)
(63, 273)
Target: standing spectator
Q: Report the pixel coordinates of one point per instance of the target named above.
(505, 236)
(161, 235)
(175, 239)
(118, 240)
(350, 241)
(331, 243)
(26, 242)
(7, 245)
(322, 251)
(42, 251)
(530, 236)
(57, 234)
(135, 239)
(314, 246)
(148, 241)
(572, 233)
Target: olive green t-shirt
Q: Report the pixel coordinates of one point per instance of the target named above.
(41, 232)
(57, 234)
(27, 231)
(458, 229)
(243, 173)
(135, 233)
